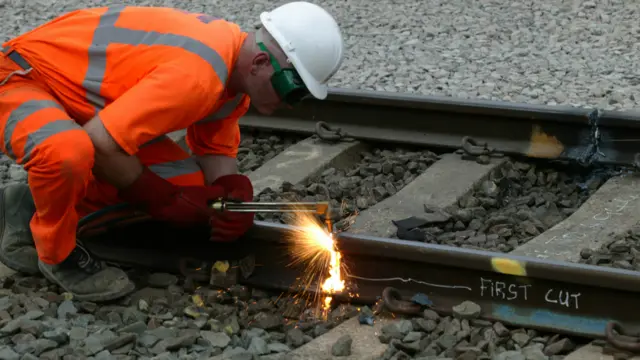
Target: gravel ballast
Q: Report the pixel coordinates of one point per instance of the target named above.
(10, 172)
(379, 174)
(621, 252)
(462, 336)
(551, 52)
(258, 147)
(519, 201)
(158, 321)
(37, 320)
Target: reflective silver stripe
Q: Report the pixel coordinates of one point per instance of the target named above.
(207, 18)
(107, 34)
(171, 169)
(138, 37)
(20, 113)
(224, 111)
(37, 137)
(98, 57)
(155, 140)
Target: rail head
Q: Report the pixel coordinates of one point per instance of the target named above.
(534, 293)
(274, 235)
(499, 263)
(537, 131)
(514, 111)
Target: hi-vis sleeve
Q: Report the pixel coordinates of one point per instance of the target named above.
(219, 133)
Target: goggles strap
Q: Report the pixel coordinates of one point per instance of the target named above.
(272, 59)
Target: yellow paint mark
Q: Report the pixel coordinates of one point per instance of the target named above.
(221, 266)
(508, 266)
(542, 145)
(197, 299)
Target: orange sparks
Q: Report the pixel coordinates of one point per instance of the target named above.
(312, 244)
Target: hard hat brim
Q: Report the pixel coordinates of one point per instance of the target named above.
(317, 89)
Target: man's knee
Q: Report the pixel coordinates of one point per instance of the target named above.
(69, 153)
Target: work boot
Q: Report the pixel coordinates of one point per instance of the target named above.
(17, 249)
(86, 278)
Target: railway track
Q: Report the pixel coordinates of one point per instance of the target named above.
(479, 250)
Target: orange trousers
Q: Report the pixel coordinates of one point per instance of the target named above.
(58, 155)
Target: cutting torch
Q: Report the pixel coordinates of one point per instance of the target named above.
(319, 207)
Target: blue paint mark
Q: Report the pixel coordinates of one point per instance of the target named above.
(422, 299)
(546, 318)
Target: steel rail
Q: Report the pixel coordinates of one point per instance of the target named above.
(561, 297)
(537, 131)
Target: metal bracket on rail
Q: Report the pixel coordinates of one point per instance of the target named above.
(225, 274)
(473, 150)
(620, 339)
(393, 302)
(593, 149)
(326, 133)
(194, 272)
(636, 160)
(221, 273)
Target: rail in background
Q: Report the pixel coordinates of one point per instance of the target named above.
(537, 131)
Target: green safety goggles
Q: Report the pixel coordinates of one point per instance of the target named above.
(286, 82)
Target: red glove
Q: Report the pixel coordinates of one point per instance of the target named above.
(229, 226)
(180, 205)
(189, 205)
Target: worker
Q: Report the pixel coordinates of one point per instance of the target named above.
(87, 98)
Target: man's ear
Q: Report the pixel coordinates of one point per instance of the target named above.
(260, 61)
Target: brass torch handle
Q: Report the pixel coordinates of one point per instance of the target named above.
(271, 207)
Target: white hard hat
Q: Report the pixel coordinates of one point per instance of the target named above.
(310, 38)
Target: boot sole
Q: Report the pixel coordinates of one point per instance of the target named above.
(101, 297)
(4, 258)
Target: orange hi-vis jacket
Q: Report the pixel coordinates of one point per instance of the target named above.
(144, 71)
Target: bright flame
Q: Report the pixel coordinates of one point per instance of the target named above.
(334, 282)
(316, 247)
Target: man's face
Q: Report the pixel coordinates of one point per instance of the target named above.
(260, 89)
